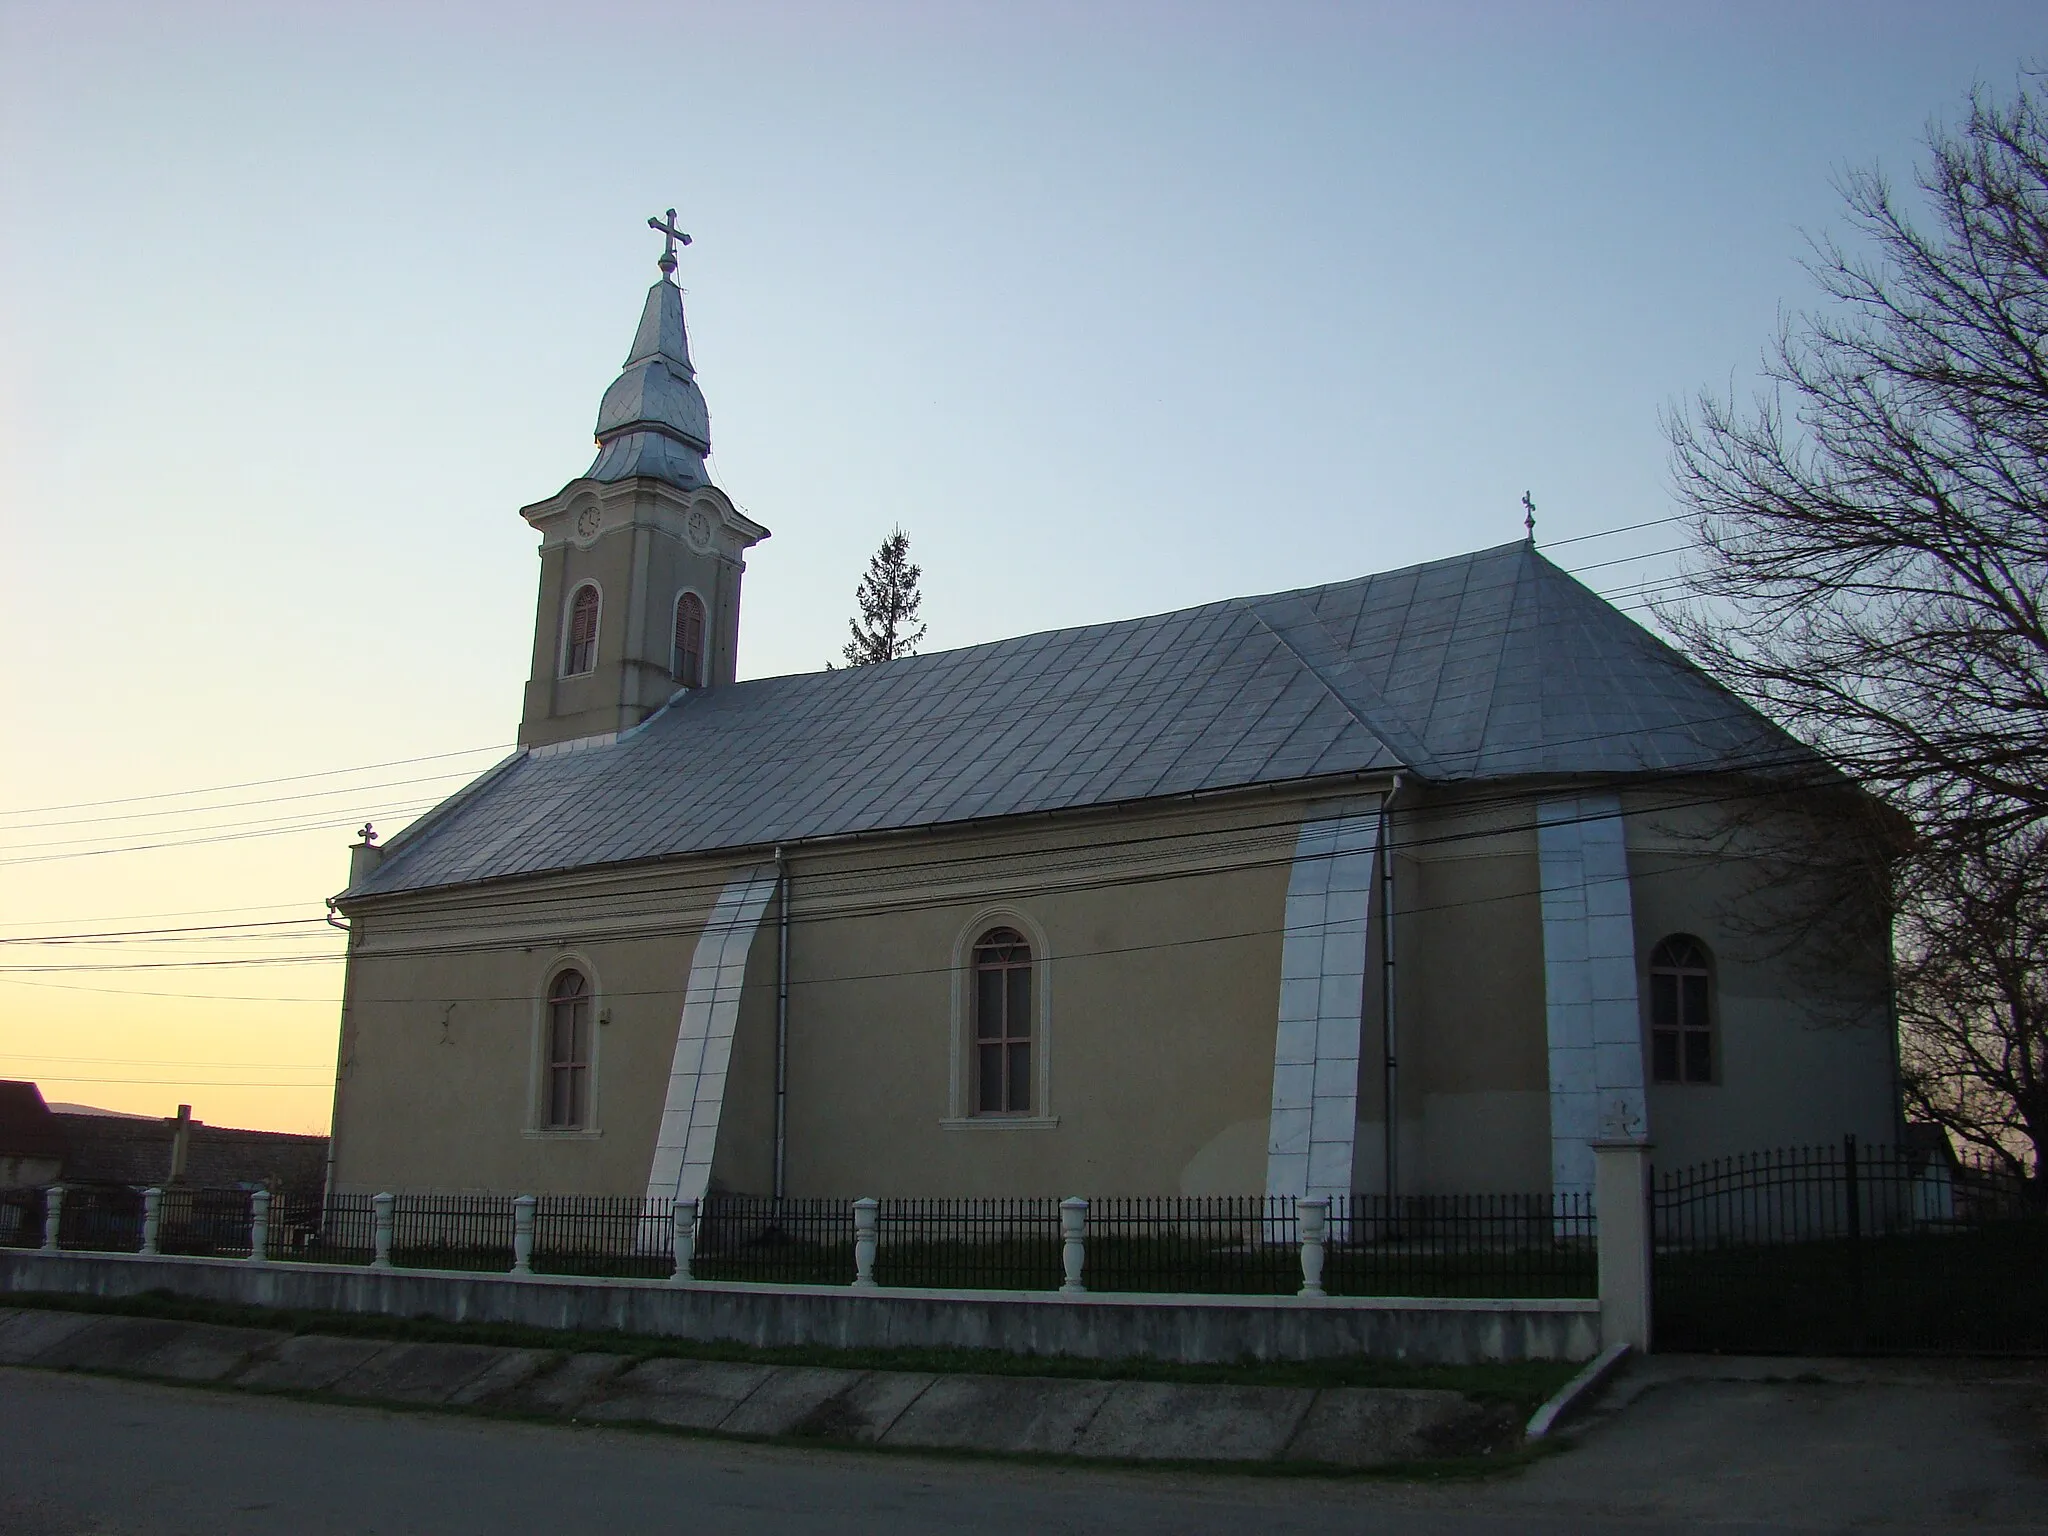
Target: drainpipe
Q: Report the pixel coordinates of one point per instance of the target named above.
(781, 1023)
(1392, 1082)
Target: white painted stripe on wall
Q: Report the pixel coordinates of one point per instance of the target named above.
(1591, 1012)
(711, 1008)
(1314, 1122)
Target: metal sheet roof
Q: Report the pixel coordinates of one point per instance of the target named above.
(1489, 665)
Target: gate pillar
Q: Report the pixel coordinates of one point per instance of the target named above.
(1621, 1200)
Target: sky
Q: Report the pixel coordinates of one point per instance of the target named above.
(1115, 308)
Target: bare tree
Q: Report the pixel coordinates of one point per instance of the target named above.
(1878, 525)
(1973, 996)
(1872, 535)
(888, 625)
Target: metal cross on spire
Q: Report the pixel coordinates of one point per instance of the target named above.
(675, 237)
(1529, 515)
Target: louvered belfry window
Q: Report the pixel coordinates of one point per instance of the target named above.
(580, 654)
(689, 662)
(1002, 1023)
(568, 1052)
(1681, 1011)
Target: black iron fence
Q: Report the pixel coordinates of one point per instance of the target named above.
(452, 1232)
(784, 1242)
(621, 1235)
(1848, 1248)
(323, 1229)
(21, 1218)
(1444, 1245)
(1467, 1245)
(994, 1244)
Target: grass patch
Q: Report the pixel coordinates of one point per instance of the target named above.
(1521, 1384)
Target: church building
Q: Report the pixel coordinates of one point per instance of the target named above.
(1421, 881)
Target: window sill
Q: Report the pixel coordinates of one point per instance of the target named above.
(1001, 1123)
(564, 1133)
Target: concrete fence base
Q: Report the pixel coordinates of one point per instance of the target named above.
(1089, 1326)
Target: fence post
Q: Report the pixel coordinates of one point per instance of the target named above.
(1621, 1205)
(865, 1214)
(380, 1226)
(523, 1207)
(1073, 1243)
(1853, 1197)
(152, 1219)
(684, 1238)
(53, 1216)
(259, 1225)
(1315, 1224)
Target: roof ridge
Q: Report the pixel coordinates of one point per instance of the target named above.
(1367, 705)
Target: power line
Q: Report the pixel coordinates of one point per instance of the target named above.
(179, 1082)
(322, 823)
(1104, 875)
(275, 826)
(290, 778)
(284, 822)
(677, 988)
(231, 805)
(137, 917)
(207, 833)
(1608, 533)
(171, 794)
(923, 867)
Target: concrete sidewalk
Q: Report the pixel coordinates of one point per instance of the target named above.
(1121, 1420)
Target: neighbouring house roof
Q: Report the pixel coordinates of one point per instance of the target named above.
(27, 1128)
(1489, 665)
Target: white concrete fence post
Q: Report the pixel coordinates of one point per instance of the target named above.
(259, 1225)
(380, 1227)
(866, 1215)
(152, 1220)
(523, 1208)
(683, 1235)
(1621, 1204)
(1315, 1227)
(53, 1216)
(1073, 1243)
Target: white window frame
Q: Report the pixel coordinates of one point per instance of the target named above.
(1711, 1029)
(675, 613)
(540, 1057)
(960, 1113)
(569, 618)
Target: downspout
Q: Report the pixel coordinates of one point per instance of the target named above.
(781, 1023)
(1392, 1082)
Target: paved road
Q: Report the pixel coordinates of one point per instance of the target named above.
(1690, 1448)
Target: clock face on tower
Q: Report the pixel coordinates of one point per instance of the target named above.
(697, 529)
(589, 520)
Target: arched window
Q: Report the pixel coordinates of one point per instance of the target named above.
(579, 653)
(1681, 1011)
(688, 666)
(1002, 1023)
(568, 1051)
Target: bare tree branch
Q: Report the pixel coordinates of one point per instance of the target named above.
(1872, 570)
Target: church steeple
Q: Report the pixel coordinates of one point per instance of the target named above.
(653, 420)
(641, 557)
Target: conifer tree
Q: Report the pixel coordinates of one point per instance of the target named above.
(888, 597)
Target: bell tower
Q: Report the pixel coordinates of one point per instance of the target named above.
(640, 557)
